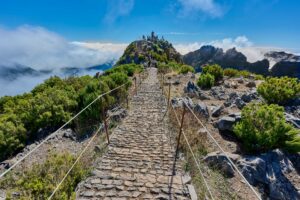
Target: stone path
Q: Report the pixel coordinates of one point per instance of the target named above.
(139, 161)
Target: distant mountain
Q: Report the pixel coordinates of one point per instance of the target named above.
(284, 64)
(12, 72)
(280, 63)
(150, 49)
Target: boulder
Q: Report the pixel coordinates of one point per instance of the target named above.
(220, 161)
(179, 101)
(268, 171)
(239, 103)
(216, 112)
(218, 92)
(201, 108)
(226, 123)
(203, 96)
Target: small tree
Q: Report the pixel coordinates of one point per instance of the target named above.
(214, 70)
(263, 127)
(206, 81)
(279, 90)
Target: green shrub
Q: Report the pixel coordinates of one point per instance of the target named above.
(184, 69)
(231, 72)
(128, 69)
(244, 73)
(259, 77)
(279, 90)
(206, 81)
(214, 70)
(263, 127)
(40, 181)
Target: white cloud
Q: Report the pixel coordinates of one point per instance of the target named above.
(118, 8)
(209, 7)
(186, 48)
(241, 43)
(39, 48)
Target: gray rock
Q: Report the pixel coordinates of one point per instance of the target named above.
(268, 171)
(237, 116)
(176, 82)
(179, 101)
(251, 84)
(240, 80)
(68, 133)
(292, 119)
(191, 87)
(2, 195)
(192, 192)
(239, 103)
(246, 98)
(226, 123)
(216, 112)
(117, 114)
(201, 109)
(203, 96)
(218, 92)
(221, 162)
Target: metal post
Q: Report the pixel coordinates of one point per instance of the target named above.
(135, 85)
(169, 94)
(180, 130)
(104, 119)
(106, 130)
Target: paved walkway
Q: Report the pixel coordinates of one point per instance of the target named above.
(140, 161)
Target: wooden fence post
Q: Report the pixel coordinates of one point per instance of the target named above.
(180, 131)
(135, 86)
(169, 94)
(104, 119)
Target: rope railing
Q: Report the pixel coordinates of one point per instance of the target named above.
(218, 145)
(79, 157)
(51, 135)
(210, 135)
(193, 155)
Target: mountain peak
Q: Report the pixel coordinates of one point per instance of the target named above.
(148, 49)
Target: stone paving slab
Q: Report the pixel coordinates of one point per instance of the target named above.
(139, 163)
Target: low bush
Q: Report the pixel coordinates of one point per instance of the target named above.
(40, 181)
(263, 127)
(184, 69)
(206, 81)
(231, 72)
(214, 70)
(128, 69)
(279, 90)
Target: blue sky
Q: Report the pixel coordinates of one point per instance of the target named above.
(264, 22)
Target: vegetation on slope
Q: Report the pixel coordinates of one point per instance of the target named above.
(150, 48)
(53, 102)
(40, 181)
(279, 90)
(263, 127)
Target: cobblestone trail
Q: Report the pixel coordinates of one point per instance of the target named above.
(139, 161)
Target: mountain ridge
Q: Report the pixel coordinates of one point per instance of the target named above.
(275, 63)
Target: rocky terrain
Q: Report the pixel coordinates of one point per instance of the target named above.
(279, 63)
(275, 174)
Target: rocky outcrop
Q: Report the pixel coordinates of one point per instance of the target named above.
(230, 58)
(280, 63)
(269, 172)
(220, 161)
